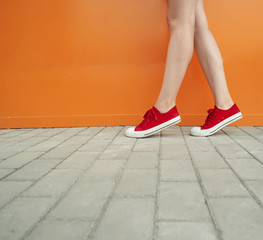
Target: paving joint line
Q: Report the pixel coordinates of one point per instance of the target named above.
(97, 221)
(157, 202)
(206, 197)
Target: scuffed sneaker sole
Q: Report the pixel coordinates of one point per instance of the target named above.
(141, 134)
(196, 131)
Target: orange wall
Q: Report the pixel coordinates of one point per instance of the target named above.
(88, 63)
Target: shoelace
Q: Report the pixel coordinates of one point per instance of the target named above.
(212, 115)
(147, 116)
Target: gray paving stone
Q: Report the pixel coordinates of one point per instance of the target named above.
(222, 182)
(104, 170)
(148, 144)
(238, 218)
(54, 183)
(232, 150)
(90, 131)
(174, 152)
(127, 219)
(254, 131)
(4, 144)
(137, 182)
(11, 134)
(21, 215)
(199, 144)
(84, 201)
(182, 201)
(186, 231)
(123, 141)
(34, 170)
(251, 145)
(20, 159)
(177, 171)
(78, 139)
(112, 154)
(4, 131)
(180, 148)
(208, 160)
(71, 131)
(30, 142)
(257, 188)
(95, 145)
(52, 131)
(79, 160)
(108, 133)
(17, 147)
(174, 155)
(258, 155)
(10, 189)
(220, 138)
(56, 230)
(5, 172)
(44, 146)
(7, 153)
(172, 138)
(247, 169)
(119, 146)
(143, 160)
(60, 152)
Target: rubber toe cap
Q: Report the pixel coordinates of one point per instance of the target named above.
(196, 131)
(129, 132)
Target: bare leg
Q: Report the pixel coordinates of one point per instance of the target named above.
(210, 59)
(181, 22)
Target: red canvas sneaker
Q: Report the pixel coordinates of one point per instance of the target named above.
(153, 122)
(217, 119)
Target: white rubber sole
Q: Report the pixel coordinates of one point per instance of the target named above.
(196, 131)
(140, 134)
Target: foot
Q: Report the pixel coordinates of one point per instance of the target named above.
(217, 119)
(153, 122)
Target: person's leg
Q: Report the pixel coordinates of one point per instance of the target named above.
(210, 59)
(225, 110)
(181, 23)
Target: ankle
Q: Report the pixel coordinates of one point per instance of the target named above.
(225, 105)
(163, 108)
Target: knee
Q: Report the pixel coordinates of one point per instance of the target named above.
(176, 23)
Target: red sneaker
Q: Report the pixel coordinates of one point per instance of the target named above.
(217, 119)
(153, 122)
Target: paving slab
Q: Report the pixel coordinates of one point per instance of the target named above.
(186, 231)
(55, 230)
(182, 201)
(128, 219)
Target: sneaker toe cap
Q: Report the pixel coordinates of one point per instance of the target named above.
(196, 131)
(129, 131)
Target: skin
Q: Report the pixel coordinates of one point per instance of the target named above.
(189, 31)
